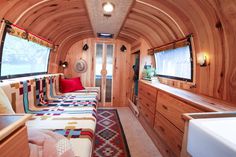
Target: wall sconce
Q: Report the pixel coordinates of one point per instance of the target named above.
(123, 48)
(55, 48)
(85, 47)
(202, 59)
(63, 64)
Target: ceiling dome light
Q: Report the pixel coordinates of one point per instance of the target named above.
(108, 7)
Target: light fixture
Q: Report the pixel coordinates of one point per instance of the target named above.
(202, 59)
(63, 64)
(108, 7)
(55, 48)
(85, 47)
(123, 48)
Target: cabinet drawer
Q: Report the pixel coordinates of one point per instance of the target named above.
(16, 144)
(173, 109)
(149, 117)
(151, 106)
(148, 91)
(169, 133)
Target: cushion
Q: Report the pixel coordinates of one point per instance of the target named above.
(5, 105)
(79, 85)
(70, 85)
(67, 85)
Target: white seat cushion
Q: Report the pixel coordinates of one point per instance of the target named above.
(5, 105)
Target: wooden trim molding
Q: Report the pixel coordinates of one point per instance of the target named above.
(4, 132)
(171, 45)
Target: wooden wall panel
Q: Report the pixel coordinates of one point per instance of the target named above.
(120, 79)
(213, 26)
(156, 22)
(76, 53)
(120, 70)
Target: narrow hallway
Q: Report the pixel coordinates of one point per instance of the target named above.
(140, 144)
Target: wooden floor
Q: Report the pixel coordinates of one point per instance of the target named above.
(140, 144)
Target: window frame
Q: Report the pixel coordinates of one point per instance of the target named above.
(192, 66)
(17, 75)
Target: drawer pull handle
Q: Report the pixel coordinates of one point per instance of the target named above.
(162, 129)
(166, 108)
(148, 93)
(147, 104)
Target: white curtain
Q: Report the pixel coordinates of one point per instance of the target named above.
(174, 62)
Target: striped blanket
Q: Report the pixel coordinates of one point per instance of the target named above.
(72, 115)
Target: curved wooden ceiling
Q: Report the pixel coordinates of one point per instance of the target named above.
(156, 21)
(212, 23)
(52, 19)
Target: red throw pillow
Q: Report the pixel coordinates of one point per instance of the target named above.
(70, 85)
(79, 85)
(67, 85)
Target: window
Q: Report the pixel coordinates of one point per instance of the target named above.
(175, 63)
(20, 56)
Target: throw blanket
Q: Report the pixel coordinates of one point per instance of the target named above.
(44, 143)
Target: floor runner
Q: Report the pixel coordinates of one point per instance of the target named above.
(110, 139)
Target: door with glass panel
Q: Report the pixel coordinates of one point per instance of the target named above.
(104, 71)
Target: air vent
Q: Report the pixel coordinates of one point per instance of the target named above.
(105, 35)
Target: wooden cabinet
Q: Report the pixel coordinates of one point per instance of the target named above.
(168, 133)
(150, 105)
(13, 136)
(149, 117)
(16, 144)
(173, 109)
(162, 108)
(147, 103)
(149, 92)
(163, 114)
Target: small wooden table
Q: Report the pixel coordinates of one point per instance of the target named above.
(13, 135)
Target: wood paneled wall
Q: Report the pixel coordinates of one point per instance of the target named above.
(76, 53)
(206, 81)
(120, 68)
(212, 22)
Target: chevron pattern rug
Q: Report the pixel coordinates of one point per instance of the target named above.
(110, 139)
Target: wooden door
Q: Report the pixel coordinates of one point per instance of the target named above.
(104, 71)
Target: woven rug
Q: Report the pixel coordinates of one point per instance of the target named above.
(110, 139)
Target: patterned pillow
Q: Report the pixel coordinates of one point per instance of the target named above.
(5, 105)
